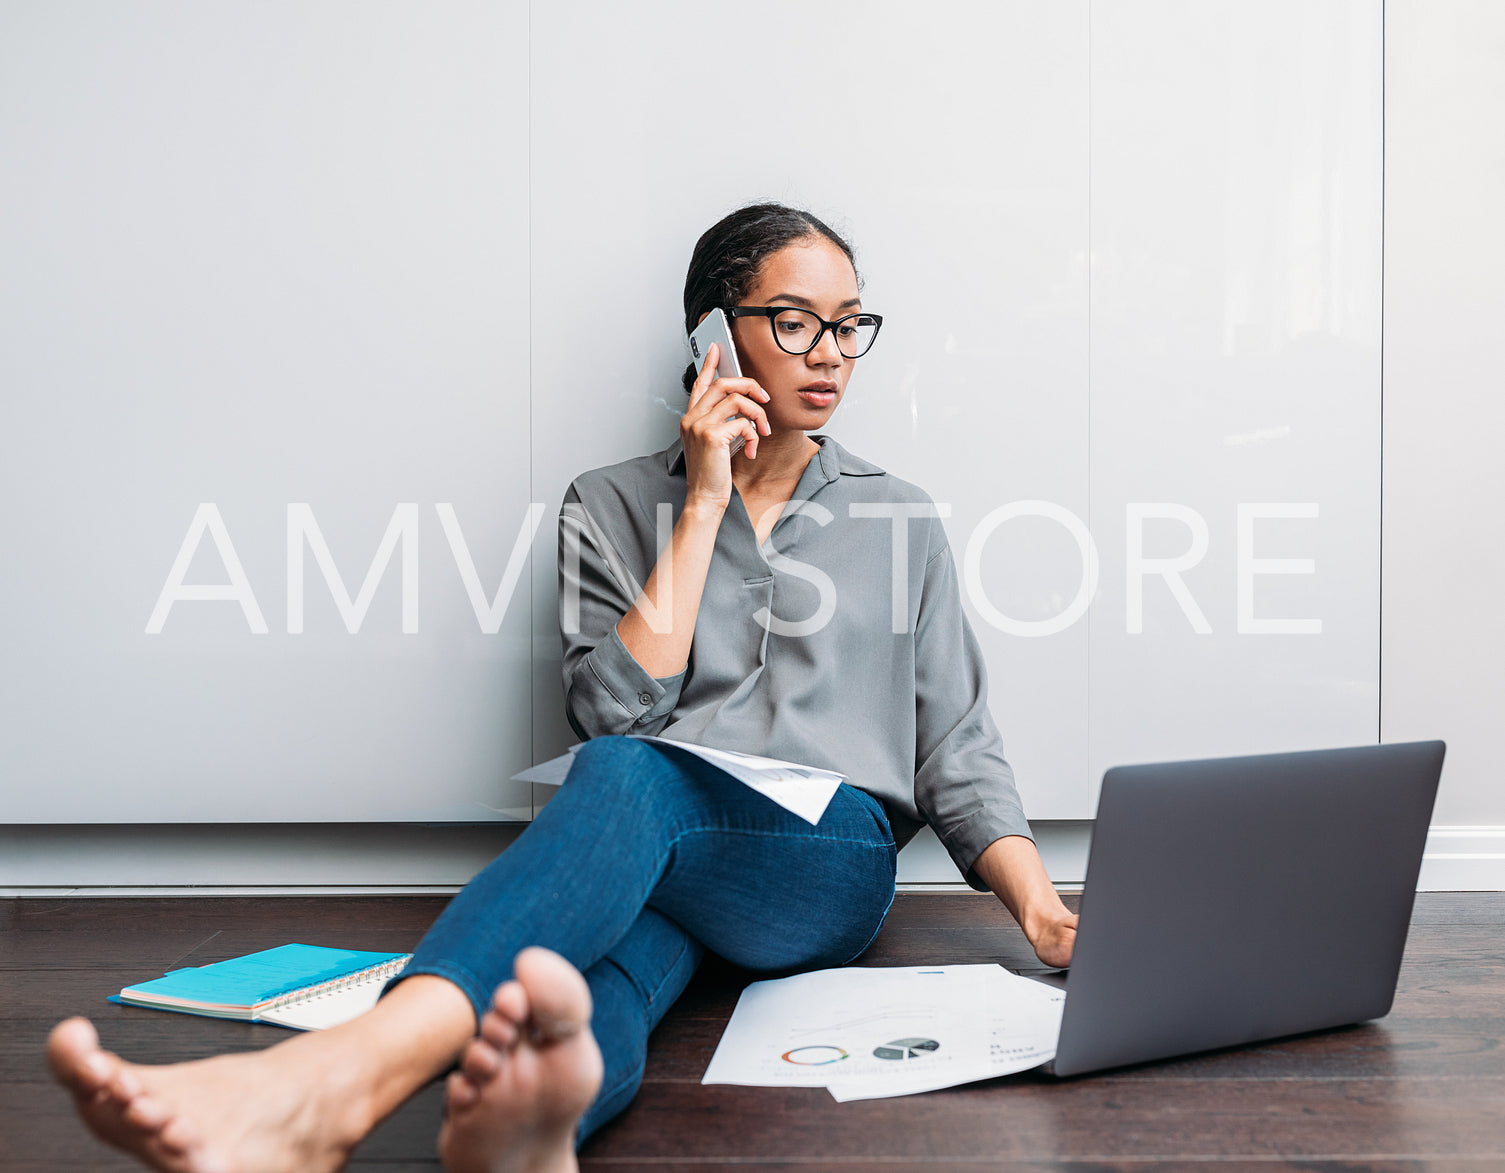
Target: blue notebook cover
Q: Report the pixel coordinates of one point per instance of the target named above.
(236, 988)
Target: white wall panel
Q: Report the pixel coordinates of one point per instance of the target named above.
(1444, 672)
(260, 254)
(1236, 235)
(363, 255)
(950, 145)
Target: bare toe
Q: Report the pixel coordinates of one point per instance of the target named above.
(147, 1114)
(481, 1062)
(177, 1137)
(123, 1085)
(269, 1109)
(459, 1092)
(522, 1115)
(558, 996)
(501, 1033)
(75, 1058)
(510, 1002)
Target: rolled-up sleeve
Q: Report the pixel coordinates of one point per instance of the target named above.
(964, 787)
(605, 690)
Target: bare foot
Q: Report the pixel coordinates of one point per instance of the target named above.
(526, 1081)
(256, 1112)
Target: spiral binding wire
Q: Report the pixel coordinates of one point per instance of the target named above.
(385, 969)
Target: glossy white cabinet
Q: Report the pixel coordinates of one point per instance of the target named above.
(261, 256)
(1444, 675)
(1235, 375)
(957, 166)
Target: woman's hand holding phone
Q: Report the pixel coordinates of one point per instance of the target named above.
(724, 414)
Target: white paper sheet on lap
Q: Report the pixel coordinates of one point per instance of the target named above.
(803, 790)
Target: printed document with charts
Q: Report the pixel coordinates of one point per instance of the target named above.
(805, 790)
(868, 1033)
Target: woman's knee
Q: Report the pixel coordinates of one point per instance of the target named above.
(631, 771)
(615, 758)
(612, 768)
(821, 928)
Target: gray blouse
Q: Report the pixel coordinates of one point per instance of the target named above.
(840, 642)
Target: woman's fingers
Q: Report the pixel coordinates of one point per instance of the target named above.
(735, 433)
(713, 440)
(730, 408)
(718, 423)
(732, 433)
(737, 406)
(706, 381)
(747, 434)
(720, 390)
(724, 416)
(707, 374)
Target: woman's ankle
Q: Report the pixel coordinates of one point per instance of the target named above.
(412, 1037)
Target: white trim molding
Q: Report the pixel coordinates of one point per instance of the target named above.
(327, 859)
(924, 865)
(1463, 859)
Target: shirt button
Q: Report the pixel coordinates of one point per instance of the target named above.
(645, 698)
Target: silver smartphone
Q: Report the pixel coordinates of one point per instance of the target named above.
(715, 328)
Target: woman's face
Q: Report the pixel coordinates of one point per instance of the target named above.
(803, 389)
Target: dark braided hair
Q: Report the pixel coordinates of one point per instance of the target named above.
(729, 255)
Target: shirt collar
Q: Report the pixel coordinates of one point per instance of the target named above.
(834, 460)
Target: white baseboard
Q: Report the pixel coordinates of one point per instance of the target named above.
(223, 859)
(373, 858)
(1463, 859)
(925, 866)
(1456, 859)
(383, 858)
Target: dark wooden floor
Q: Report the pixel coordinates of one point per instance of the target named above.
(1423, 1088)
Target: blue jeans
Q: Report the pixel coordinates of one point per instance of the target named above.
(647, 856)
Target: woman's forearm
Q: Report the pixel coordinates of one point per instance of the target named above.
(671, 596)
(1012, 868)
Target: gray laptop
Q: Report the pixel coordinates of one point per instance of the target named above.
(1239, 899)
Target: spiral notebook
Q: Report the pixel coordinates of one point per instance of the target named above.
(304, 987)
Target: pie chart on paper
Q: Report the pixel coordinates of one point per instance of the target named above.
(814, 1056)
(907, 1049)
